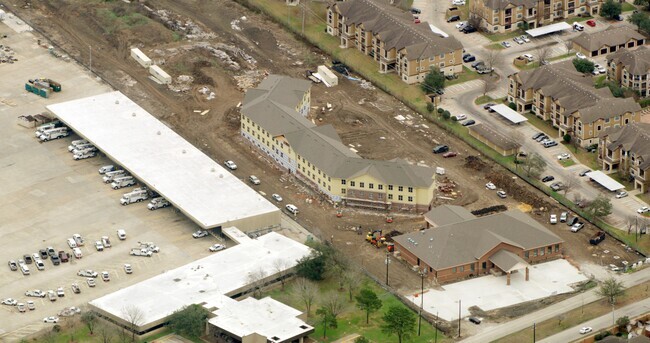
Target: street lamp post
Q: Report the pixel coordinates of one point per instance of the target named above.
(423, 274)
(387, 263)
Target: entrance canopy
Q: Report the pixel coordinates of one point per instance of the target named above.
(605, 180)
(508, 261)
(544, 30)
(509, 114)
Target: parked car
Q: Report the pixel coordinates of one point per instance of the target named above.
(525, 38)
(128, 269)
(541, 138)
(13, 266)
(9, 302)
(461, 116)
(461, 25)
(548, 178)
(563, 156)
(51, 295)
(563, 217)
(30, 305)
(59, 292)
(557, 186)
(643, 209)
(75, 288)
(87, 273)
(578, 27)
(230, 165)
(51, 320)
(586, 330)
(488, 106)
(453, 18)
(469, 29)
(476, 64)
(506, 44)
(518, 40)
(440, 149)
(580, 56)
(28, 259)
(490, 186)
(597, 238)
(99, 246)
(584, 172)
(577, 226)
(621, 194)
(528, 57)
(217, 247)
(553, 219)
(469, 58)
(36, 293)
(619, 17)
(501, 194)
(105, 276)
(43, 253)
(64, 256)
(417, 20)
(55, 260)
(475, 320)
(549, 144)
(415, 10)
(91, 282)
(200, 234)
(276, 197)
(449, 154)
(591, 22)
(469, 122)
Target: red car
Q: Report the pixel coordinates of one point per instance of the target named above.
(450, 154)
(591, 23)
(417, 20)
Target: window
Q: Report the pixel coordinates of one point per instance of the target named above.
(471, 267)
(550, 250)
(526, 254)
(462, 269)
(541, 251)
(362, 184)
(343, 182)
(400, 188)
(410, 199)
(535, 253)
(380, 187)
(557, 248)
(352, 183)
(453, 270)
(390, 187)
(342, 190)
(371, 185)
(400, 198)
(390, 197)
(410, 189)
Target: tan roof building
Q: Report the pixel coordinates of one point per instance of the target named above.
(559, 93)
(630, 69)
(471, 246)
(392, 38)
(607, 41)
(627, 149)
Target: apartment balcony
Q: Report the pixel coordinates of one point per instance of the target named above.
(612, 159)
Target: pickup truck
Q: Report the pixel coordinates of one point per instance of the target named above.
(141, 252)
(157, 203)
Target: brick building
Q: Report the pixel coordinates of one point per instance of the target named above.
(627, 149)
(631, 69)
(466, 246)
(607, 41)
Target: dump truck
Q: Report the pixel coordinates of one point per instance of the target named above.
(112, 175)
(141, 252)
(136, 195)
(54, 134)
(122, 182)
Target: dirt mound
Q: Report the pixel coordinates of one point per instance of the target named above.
(263, 38)
(476, 163)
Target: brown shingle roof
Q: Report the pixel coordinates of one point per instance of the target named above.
(636, 62)
(467, 241)
(634, 137)
(613, 36)
(396, 28)
(575, 92)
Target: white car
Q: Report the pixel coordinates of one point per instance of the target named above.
(91, 282)
(10, 302)
(217, 247)
(525, 38)
(563, 156)
(585, 330)
(230, 164)
(461, 116)
(580, 55)
(502, 194)
(254, 180)
(643, 209)
(461, 24)
(506, 44)
(490, 186)
(601, 69)
(621, 194)
(128, 269)
(553, 218)
(200, 234)
(87, 273)
(37, 293)
(276, 197)
(458, 2)
(528, 57)
(106, 277)
(51, 320)
(99, 246)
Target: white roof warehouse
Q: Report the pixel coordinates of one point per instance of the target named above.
(152, 152)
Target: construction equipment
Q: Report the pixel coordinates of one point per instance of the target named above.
(389, 219)
(42, 86)
(339, 214)
(390, 246)
(375, 238)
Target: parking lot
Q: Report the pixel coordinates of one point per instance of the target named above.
(46, 197)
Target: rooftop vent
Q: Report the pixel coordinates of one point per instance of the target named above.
(117, 102)
(133, 114)
(158, 133)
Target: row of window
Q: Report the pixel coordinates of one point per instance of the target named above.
(461, 269)
(542, 251)
(379, 186)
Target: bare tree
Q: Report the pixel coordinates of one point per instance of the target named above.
(134, 316)
(123, 335)
(333, 304)
(105, 332)
(352, 280)
(71, 324)
(630, 221)
(90, 319)
(488, 85)
(535, 165)
(256, 280)
(568, 45)
(543, 53)
(570, 183)
(281, 268)
(493, 58)
(307, 292)
(474, 19)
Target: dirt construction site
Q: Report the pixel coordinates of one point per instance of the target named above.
(215, 50)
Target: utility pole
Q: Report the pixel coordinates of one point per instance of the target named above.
(534, 333)
(90, 58)
(303, 16)
(423, 273)
(458, 318)
(436, 334)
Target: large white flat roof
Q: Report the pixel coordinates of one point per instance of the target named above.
(209, 280)
(200, 187)
(267, 317)
(540, 31)
(509, 113)
(605, 180)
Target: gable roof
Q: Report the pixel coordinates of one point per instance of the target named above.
(502, 4)
(507, 261)
(448, 214)
(321, 145)
(636, 62)
(575, 92)
(467, 241)
(396, 28)
(612, 36)
(634, 137)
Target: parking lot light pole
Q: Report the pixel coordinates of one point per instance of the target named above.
(423, 274)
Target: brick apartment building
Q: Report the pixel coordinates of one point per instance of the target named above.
(631, 69)
(627, 149)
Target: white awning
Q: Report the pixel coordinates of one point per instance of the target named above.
(605, 180)
(540, 31)
(509, 113)
(435, 29)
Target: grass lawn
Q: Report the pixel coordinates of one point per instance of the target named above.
(495, 46)
(599, 81)
(645, 197)
(352, 320)
(577, 316)
(589, 159)
(542, 125)
(497, 37)
(567, 163)
(555, 58)
(464, 10)
(467, 75)
(577, 19)
(80, 333)
(527, 66)
(483, 99)
(627, 7)
(629, 186)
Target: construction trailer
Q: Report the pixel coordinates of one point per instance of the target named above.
(328, 76)
(160, 75)
(141, 58)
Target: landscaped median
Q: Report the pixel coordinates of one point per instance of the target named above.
(411, 95)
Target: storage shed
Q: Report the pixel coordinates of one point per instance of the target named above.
(160, 74)
(141, 58)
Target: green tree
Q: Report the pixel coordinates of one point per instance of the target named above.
(599, 207)
(368, 301)
(327, 319)
(567, 138)
(534, 166)
(90, 319)
(622, 322)
(399, 321)
(361, 339)
(446, 115)
(611, 289)
(434, 80)
(189, 321)
(512, 106)
(314, 266)
(611, 9)
(583, 65)
(430, 107)
(638, 19)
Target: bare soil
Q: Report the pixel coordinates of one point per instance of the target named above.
(364, 118)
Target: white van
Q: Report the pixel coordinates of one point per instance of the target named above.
(24, 269)
(72, 243)
(77, 252)
(292, 209)
(121, 234)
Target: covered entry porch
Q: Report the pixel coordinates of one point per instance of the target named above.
(508, 262)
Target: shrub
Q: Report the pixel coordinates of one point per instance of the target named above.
(644, 102)
(430, 107)
(512, 106)
(454, 118)
(567, 138)
(440, 109)
(446, 114)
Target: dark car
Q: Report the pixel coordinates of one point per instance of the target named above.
(572, 221)
(548, 178)
(541, 138)
(439, 91)
(469, 29)
(557, 186)
(488, 106)
(469, 58)
(619, 17)
(64, 256)
(451, 76)
(55, 260)
(28, 259)
(537, 135)
(453, 18)
(440, 149)
(469, 122)
(597, 238)
(43, 253)
(449, 154)
(415, 10)
(475, 320)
